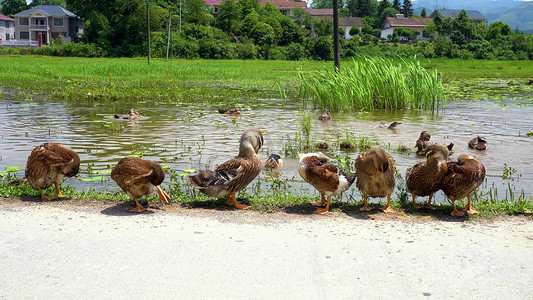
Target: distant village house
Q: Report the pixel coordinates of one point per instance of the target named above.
(39, 25)
(390, 23)
(7, 28)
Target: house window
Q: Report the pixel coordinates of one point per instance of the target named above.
(58, 22)
(7, 37)
(24, 35)
(283, 12)
(7, 24)
(24, 21)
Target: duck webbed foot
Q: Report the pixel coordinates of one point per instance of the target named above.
(138, 207)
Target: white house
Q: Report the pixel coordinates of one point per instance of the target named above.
(45, 22)
(7, 28)
(400, 21)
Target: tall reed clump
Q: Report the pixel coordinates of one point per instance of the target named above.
(371, 83)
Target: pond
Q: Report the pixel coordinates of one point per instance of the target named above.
(197, 137)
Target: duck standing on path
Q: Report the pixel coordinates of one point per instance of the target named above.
(48, 164)
(425, 178)
(137, 178)
(478, 143)
(463, 177)
(327, 178)
(235, 174)
(375, 176)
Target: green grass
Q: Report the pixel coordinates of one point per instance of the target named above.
(371, 83)
(278, 196)
(113, 79)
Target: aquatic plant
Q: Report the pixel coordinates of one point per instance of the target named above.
(371, 83)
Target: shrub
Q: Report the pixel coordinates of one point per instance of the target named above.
(246, 50)
(295, 51)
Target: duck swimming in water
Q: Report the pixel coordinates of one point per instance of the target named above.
(232, 112)
(325, 116)
(274, 161)
(478, 143)
(133, 114)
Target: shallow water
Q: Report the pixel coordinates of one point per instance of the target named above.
(196, 137)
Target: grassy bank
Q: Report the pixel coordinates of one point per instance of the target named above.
(279, 199)
(112, 79)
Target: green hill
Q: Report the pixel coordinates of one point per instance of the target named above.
(519, 16)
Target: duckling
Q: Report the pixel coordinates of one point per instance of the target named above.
(274, 161)
(375, 176)
(232, 112)
(325, 116)
(235, 174)
(478, 143)
(463, 177)
(327, 178)
(424, 178)
(134, 114)
(48, 164)
(137, 178)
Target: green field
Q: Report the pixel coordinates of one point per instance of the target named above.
(198, 80)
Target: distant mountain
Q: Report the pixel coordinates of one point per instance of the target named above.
(461, 4)
(519, 16)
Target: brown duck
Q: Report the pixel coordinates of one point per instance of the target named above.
(327, 178)
(478, 143)
(137, 178)
(274, 161)
(325, 116)
(422, 143)
(134, 114)
(425, 178)
(48, 164)
(232, 112)
(235, 174)
(463, 177)
(375, 176)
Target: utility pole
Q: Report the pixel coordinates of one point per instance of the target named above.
(169, 24)
(148, 25)
(336, 51)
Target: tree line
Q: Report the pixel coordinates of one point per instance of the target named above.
(246, 30)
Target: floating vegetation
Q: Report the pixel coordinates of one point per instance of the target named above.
(508, 171)
(12, 169)
(371, 83)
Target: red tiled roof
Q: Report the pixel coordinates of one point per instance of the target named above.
(408, 22)
(320, 12)
(285, 3)
(213, 2)
(6, 18)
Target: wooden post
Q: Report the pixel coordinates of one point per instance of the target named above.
(168, 37)
(148, 27)
(336, 50)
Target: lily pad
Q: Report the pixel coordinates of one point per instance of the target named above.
(101, 172)
(97, 178)
(12, 169)
(190, 171)
(165, 167)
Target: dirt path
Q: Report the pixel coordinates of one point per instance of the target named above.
(65, 251)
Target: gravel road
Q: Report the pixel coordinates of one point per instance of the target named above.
(88, 252)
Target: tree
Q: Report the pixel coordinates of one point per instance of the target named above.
(362, 8)
(61, 3)
(354, 31)
(407, 8)
(194, 12)
(462, 29)
(383, 4)
(323, 27)
(325, 3)
(11, 7)
(228, 15)
(388, 12)
(247, 6)
(300, 16)
(423, 14)
(430, 29)
(498, 30)
(397, 5)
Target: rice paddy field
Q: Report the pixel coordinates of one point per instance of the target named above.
(73, 100)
